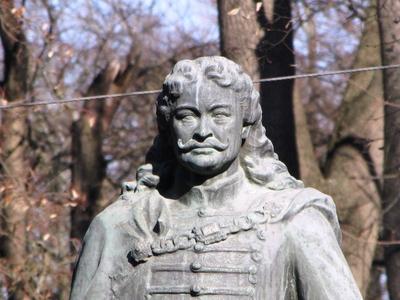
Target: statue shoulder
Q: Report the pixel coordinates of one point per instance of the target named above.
(113, 217)
(293, 205)
(121, 210)
(285, 204)
(132, 217)
(115, 212)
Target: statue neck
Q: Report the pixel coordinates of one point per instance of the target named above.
(213, 192)
(190, 179)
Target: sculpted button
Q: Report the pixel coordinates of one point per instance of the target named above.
(202, 212)
(199, 247)
(195, 266)
(195, 290)
(245, 223)
(256, 256)
(261, 235)
(253, 269)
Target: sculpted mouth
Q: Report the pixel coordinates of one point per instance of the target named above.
(203, 147)
(203, 150)
(208, 146)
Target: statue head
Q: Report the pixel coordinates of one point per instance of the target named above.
(209, 118)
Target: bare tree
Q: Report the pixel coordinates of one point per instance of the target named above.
(88, 163)
(48, 178)
(66, 162)
(389, 21)
(259, 36)
(139, 68)
(349, 172)
(276, 58)
(14, 171)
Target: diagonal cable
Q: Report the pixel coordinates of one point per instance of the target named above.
(24, 103)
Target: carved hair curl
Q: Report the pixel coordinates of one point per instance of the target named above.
(257, 156)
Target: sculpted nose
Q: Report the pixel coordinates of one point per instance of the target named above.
(203, 131)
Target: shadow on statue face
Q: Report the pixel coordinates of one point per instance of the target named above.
(207, 126)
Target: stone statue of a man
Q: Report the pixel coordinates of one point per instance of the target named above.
(213, 214)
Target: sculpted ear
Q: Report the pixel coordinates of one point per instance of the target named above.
(245, 132)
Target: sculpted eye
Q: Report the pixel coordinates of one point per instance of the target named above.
(220, 115)
(188, 118)
(185, 116)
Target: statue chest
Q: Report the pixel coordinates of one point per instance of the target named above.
(238, 267)
(231, 269)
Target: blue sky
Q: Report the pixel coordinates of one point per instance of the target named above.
(198, 17)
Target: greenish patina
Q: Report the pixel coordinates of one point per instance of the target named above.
(213, 214)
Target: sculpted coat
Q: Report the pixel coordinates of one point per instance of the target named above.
(214, 214)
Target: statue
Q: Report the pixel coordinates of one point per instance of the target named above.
(213, 213)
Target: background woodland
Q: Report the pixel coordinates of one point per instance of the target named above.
(62, 164)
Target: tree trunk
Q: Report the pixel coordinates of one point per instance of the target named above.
(275, 56)
(389, 21)
(260, 39)
(239, 33)
(13, 168)
(88, 164)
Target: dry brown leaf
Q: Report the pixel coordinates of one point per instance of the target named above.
(288, 24)
(18, 12)
(234, 11)
(71, 204)
(45, 26)
(69, 52)
(75, 194)
(92, 120)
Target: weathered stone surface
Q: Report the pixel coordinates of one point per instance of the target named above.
(214, 214)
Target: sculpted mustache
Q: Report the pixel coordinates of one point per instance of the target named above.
(208, 143)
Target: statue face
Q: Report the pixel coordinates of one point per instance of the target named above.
(206, 128)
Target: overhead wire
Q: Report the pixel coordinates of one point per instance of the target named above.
(77, 99)
(328, 73)
(25, 103)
